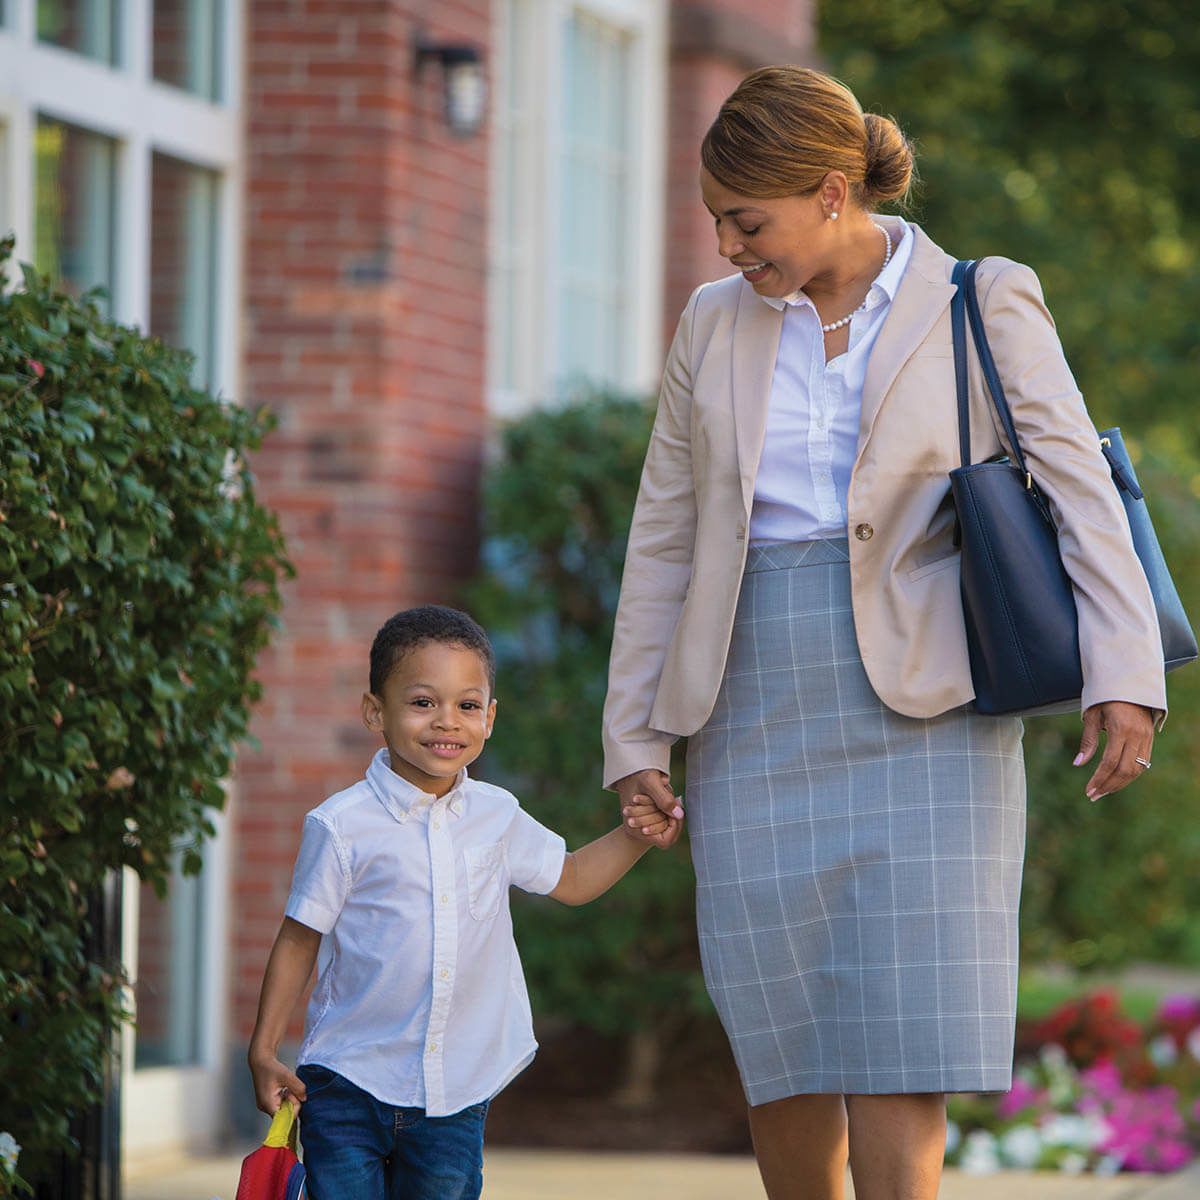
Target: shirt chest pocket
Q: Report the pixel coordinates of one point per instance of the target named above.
(486, 877)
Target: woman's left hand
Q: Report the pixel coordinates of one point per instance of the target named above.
(1130, 730)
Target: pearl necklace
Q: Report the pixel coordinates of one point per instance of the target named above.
(887, 258)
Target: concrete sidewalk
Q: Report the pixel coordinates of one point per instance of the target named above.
(566, 1175)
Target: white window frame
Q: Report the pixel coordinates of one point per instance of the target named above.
(536, 272)
(143, 116)
(163, 1108)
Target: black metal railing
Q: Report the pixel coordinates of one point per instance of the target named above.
(94, 1173)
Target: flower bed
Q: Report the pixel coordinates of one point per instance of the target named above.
(1092, 1091)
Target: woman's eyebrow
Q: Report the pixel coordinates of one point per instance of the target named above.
(736, 212)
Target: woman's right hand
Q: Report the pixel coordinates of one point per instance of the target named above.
(653, 783)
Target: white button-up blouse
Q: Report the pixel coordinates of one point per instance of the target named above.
(420, 999)
(812, 418)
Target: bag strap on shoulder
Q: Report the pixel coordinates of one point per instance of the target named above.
(968, 298)
(990, 374)
(958, 328)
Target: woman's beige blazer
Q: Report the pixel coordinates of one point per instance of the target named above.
(687, 545)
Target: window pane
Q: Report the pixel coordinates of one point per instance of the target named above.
(169, 974)
(512, 252)
(183, 260)
(187, 40)
(595, 199)
(87, 26)
(74, 198)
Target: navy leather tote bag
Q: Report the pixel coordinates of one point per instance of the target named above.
(1018, 602)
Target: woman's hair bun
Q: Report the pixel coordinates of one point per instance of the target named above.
(889, 166)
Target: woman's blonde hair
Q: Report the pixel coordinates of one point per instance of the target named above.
(785, 128)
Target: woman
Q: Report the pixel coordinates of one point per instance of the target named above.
(791, 601)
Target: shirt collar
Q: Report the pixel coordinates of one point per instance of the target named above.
(888, 279)
(401, 798)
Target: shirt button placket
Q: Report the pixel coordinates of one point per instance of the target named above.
(445, 956)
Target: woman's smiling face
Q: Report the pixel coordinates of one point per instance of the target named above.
(778, 243)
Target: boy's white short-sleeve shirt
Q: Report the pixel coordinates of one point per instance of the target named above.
(420, 999)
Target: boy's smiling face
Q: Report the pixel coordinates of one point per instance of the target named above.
(435, 714)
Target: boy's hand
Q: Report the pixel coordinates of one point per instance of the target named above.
(273, 1082)
(645, 821)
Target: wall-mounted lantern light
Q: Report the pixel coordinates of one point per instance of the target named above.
(463, 85)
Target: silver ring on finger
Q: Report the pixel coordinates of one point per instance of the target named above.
(1144, 763)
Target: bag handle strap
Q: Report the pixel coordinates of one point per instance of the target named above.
(958, 330)
(283, 1126)
(990, 375)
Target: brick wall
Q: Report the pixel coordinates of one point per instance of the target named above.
(364, 331)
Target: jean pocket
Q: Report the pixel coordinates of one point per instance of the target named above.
(485, 879)
(316, 1078)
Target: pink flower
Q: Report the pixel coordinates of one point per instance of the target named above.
(1173, 1155)
(1103, 1080)
(1181, 1009)
(1145, 1128)
(36, 367)
(1022, 1096)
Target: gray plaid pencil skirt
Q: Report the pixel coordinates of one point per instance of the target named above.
(858, 872)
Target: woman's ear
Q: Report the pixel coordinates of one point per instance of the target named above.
(372, 712)
(834, 192)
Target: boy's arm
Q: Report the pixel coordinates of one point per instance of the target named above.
(288, 970)
(590, 871)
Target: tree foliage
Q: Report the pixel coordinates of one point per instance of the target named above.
(1067, 136)
(138, 581)
(557, 511)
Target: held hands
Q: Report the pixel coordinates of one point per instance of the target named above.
(273, 1083)
(1130, 730)
(644, 822)
(650, 811)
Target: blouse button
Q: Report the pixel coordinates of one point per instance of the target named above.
(864, 532)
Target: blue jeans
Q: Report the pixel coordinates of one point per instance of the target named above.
(356, 1148)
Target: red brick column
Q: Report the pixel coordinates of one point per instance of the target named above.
(714, 43)
(364, 331)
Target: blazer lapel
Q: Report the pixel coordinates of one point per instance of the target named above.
(756, 331)
(922, 297)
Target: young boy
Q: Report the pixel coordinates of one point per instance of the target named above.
(400, 896)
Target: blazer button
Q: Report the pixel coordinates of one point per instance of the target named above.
(864, 532)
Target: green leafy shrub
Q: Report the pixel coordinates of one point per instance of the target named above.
(1068, 136)
(557, 510)
(138, 582)
(1115, 881)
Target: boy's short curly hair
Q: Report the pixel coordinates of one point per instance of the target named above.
(417, 627)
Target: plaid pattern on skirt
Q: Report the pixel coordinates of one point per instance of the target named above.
(858, 872)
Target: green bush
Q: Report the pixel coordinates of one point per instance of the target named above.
(1067, 136)
(1115, 881)
(556, 518)
(138, 582)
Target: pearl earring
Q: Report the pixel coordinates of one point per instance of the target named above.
(833, 215)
